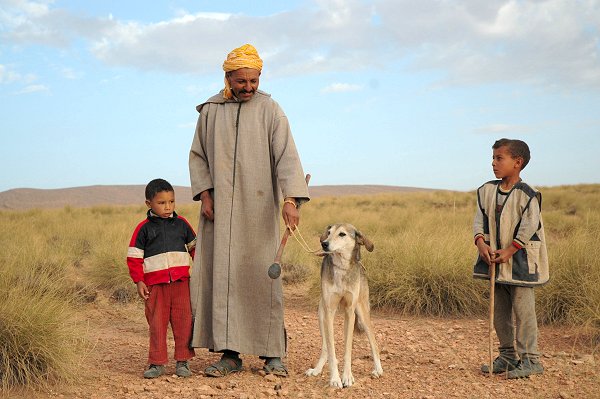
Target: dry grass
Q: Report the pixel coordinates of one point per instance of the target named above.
(424, 254)
(422, 264)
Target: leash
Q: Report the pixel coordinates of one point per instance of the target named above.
(300, 239)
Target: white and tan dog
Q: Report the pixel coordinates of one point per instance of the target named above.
(344, 284)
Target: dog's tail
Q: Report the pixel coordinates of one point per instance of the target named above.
(359, 327)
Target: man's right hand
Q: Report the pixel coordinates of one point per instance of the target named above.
(485, 251)
(207, 209)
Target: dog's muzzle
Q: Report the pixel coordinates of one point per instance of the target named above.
(325, 246)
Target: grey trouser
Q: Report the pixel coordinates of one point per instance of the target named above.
(521, 301)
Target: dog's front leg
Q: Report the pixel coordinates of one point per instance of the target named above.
(349, 319)
(329, 315)
(323, 358)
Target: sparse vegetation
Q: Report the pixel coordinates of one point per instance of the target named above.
(52, 260)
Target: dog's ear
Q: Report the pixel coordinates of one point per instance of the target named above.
(361, 239)
(325, 234)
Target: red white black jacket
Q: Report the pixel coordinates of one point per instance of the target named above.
(160, 250)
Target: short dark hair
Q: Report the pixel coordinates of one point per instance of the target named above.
(516, 149)
(156, 186)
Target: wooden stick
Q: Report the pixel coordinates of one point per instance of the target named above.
(491, 329)
(275, 268)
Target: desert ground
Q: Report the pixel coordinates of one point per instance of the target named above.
(422, 358)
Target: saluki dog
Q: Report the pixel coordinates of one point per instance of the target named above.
(344, 285)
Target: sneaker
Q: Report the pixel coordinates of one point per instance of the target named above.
(526, 368)
(154, 371)
(182, 369)
(501, 365)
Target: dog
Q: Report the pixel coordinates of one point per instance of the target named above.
(344, 285)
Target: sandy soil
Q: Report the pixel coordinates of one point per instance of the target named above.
(421, 357)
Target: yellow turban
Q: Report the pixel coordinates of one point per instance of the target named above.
(245, 56)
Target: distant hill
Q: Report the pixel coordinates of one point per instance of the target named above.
(81, 197)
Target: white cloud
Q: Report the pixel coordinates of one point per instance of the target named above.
(32, 89)
(70, 73)
(341, 88)
(8, 76)
(552, 43)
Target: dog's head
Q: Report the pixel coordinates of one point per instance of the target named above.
(344, 238)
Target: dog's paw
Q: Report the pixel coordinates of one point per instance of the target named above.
(312, 372)
(376, 373)
(336, 383)
(347, 380)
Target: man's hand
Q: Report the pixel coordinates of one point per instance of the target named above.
(290, 214)
(142, 290)
(485, 251)
(503, 255)
(207, 209)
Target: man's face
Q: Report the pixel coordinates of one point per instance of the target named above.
(244, 82)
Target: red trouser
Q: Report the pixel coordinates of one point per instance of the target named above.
(169, 302)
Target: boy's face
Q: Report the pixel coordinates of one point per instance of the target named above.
(163, 204)
(504, 165)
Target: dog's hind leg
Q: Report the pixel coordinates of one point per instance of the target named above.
(364, 317)
(349, 319)
(323, 358)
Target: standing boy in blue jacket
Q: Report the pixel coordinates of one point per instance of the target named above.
(159, 264)
(509, 235)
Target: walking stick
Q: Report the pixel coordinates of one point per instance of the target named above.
(274, 270)
(491, 326)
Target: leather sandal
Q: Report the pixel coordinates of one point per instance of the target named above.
(226, 365)
(273, 365)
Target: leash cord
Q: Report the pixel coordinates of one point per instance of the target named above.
(296, 233)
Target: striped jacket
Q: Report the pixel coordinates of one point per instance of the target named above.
(518, 222)
(160, 250)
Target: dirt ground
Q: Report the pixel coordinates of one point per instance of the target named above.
(421, 357)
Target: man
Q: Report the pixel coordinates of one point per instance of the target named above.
(242, 159)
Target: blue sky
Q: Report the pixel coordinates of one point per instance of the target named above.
(393, 92)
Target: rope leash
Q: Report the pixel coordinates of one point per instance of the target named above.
(300, 239)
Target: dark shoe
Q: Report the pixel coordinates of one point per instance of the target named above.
(501, 365)
(224, 366)
(182, 369)
(273, 365)
(154, 371)
(526, 368)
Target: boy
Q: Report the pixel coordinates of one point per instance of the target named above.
(509, 235)
(158, 263)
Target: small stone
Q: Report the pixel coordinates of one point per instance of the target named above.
(221, 386)
(271, 378)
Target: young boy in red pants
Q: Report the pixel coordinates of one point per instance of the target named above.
(158, 261)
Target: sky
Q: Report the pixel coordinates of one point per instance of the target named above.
(392, 92)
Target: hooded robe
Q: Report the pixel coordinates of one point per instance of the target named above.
(244, 153)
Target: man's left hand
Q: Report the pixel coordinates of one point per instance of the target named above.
(291, 215)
